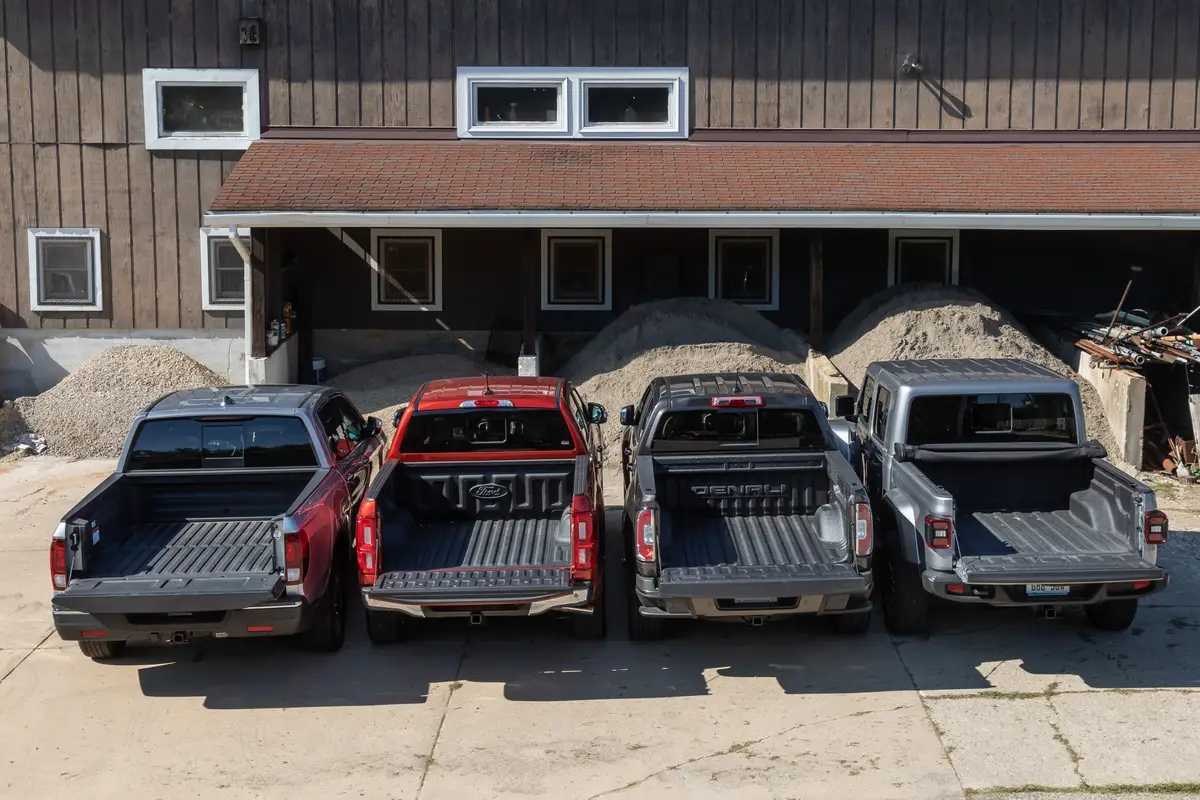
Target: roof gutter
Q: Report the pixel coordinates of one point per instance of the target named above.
(701, 219)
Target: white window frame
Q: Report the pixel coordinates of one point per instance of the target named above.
(572, 85)
(604, 234)
(206, 237)
(895, 236)
(38, 234)
(378, 234)
(715, 234)
(154, 79)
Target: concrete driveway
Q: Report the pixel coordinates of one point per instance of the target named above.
(994, 704)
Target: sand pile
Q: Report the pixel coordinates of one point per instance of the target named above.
(379, 388)
(675, 337)
(88, 413)
(941, 322)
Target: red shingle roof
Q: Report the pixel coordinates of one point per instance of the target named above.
(285, 175)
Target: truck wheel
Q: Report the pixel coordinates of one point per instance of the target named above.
(328, 628)
(1111, 615)
(851, 624)
(590, 626)
(905, 602)
(642, 629)
(384, 627)
(100, 650)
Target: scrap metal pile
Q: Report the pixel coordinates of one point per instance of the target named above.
(1127, 339)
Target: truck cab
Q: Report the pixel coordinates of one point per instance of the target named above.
(986, 490)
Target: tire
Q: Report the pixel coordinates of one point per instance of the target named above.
(905, 601)
(642, 629)
(590, 626)
(327, 630)
(102, 650)
(1112, 615)
(851, 624)
(384, 627)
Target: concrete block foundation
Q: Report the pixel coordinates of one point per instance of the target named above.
(1124, 396)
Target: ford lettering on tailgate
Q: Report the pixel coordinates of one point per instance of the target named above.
(488, 491)
(746, 490)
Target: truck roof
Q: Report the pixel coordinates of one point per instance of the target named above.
(679, 391)
(964, 370)
(448, 393)
(235, 400)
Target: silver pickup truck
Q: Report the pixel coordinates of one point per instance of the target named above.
(986, 490)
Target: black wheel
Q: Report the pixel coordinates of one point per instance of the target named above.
(100, 650)
(642, 629)
(590, 626)
(384, 627)
(905, 601)
(851, 624)
(1112, 615)
(327, 631)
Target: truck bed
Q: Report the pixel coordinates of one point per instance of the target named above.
(188, 548)
(719, 542)
(479, 543)
(997, 533)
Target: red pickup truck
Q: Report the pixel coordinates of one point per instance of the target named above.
(490, 503)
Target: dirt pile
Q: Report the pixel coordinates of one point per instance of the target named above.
(379, 388)
(88, 413)
(675, 337)
(940, 322)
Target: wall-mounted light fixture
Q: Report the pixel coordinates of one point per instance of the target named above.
(911, 65)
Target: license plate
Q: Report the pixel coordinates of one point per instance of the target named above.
(755, 601)
(1046, 590)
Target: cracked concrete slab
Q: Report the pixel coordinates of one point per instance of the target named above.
(1003, 742)
(9, 659)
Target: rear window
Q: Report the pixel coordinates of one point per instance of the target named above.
(250, 442)
(491, 430)
(771, 429)
(991, 418)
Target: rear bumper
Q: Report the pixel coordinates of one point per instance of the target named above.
(1081, 592)
(579, 599)
(282, 618)
(715, 598)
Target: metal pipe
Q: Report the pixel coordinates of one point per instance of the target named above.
(1117, 313)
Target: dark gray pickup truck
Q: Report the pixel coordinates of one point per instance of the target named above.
(740, 505)
(986, 490)
(230, 514)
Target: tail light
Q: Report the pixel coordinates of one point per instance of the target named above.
(367, 543)
(647, 535)
(864, 530)
(737, 402)
(583, 538)
(295, 556)
(58, 562)
(939, 533)
(1156, 527)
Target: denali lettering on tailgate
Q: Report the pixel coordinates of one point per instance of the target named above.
(748, 490)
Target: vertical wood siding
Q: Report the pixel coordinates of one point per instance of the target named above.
(71, 139)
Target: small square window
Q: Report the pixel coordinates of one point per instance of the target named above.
(577, 270)
(744, 268)
(407, 271)
(200, 109)
(619, 105)
(925, 257)
(498, 105)
(222, 271)
(64, 269)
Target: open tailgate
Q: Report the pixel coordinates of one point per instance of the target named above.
(170, 594)
(1057, 568)
(776, 580)
(473, 586)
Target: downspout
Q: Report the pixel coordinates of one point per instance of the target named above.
(247, 284)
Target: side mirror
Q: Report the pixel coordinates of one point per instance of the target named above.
(627, 415)
(596, 413)
(374, 427)
(843, 406)
(396, 417)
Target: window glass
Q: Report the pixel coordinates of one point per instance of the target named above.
(576, 271)
(406, 270)
(500, 104)
(202, 109)
(332, 423)
(578, 411)
(352, 421)
(65, 271)
(866, 400)
(253, 442)
(774, 429)
(491, 430)
(991, 418)
(923, 260)
(226, 282)
(883, 408)
(744, 269)
(646, 405)
(623, 104)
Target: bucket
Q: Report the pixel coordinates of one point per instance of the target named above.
(318, 366)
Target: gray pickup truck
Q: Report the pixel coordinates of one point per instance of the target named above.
(230, 514)
(740, 504)
(986, 490)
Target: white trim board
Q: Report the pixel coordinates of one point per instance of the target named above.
(894, 236)
(771, 235)
(97, 277)
(604, 235)
(206, 237)
(701, 219)
(372, 259)
(153, 79)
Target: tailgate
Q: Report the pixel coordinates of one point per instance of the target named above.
(1057, 568)
(734, 582)
(169, 594)
(473, 586)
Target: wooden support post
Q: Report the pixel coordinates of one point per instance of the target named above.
(256, 301)
(531, 296)
(816, 289)
(1195, 270)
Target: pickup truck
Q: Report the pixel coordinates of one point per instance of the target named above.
(986, 490)
(230, 514)
(740, 504)
(490, 503)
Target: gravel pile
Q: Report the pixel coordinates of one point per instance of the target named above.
(675, 337)
(88, 413)
(940, 322)
(379, 388)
